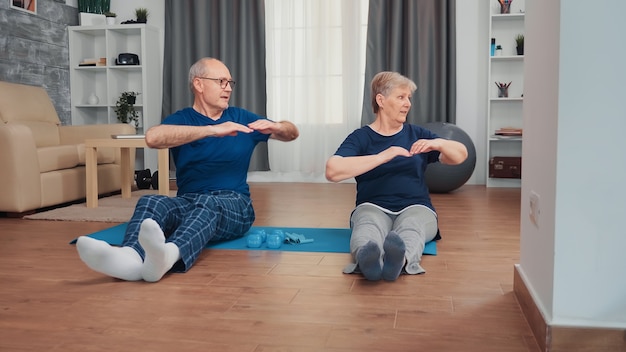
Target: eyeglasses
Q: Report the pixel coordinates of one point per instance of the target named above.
(222, 81)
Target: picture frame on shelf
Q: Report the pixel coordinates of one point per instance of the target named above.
(29, 6)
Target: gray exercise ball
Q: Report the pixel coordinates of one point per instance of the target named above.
(441, 178)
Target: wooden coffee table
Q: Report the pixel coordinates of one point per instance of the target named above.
(125, 146)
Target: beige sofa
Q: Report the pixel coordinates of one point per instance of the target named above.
(42, 162)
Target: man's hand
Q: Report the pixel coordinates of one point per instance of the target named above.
(283, 131)
(229, 129)
(264, 126)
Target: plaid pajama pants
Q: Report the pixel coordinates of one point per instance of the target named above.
(192, 220)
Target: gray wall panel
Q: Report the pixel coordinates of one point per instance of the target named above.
(34, 49)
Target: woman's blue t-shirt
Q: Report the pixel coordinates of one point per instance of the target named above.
(398, 183)
(214, 163)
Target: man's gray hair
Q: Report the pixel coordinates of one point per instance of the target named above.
(199, 69)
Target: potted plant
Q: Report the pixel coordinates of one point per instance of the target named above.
(91, 12)
(125, 108)
(519, 42)
(94, 6)
(142, 14)
(110, 17)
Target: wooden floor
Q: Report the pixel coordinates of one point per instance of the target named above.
(274, 301)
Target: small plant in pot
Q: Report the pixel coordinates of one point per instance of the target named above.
(519, 42)
(142, 15)
(125, 108)
(110, 17)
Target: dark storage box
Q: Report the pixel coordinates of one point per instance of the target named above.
(505, 167)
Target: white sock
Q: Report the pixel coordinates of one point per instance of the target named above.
(160, 256)
(119, 262)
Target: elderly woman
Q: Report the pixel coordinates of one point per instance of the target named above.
(394, 216)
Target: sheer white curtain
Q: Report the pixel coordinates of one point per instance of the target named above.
(315, 61)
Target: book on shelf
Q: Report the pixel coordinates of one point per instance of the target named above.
(93, 62)
(508, 131)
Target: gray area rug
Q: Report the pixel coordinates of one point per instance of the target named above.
(110, 209)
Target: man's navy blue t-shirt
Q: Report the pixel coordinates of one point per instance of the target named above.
(214, 163)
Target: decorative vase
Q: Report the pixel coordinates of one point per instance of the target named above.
(93, 99)
(520, 49)
(91, 19)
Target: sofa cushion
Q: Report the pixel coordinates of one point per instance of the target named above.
(21, 102)
(57, 158)
(104, 155)
(46, 134)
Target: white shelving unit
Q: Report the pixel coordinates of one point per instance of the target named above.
(508, 67)
(107, 82)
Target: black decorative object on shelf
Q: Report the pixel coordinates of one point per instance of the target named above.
(127, 59)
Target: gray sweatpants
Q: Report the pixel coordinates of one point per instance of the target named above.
(416, 225)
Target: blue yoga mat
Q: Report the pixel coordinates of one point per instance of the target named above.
(324, 240)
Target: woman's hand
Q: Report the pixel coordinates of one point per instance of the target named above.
(393, 152)
(452, 152)
(425, 146)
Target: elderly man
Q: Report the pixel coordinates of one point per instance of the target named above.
(211, 145)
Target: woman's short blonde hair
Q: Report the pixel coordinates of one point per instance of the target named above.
(384, 82)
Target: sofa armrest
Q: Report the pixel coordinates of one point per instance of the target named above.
(19, 169)
(77, 134)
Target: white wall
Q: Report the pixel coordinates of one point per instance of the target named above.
(573, 262)
(472, 27)
(541, 68)
(591, 200)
